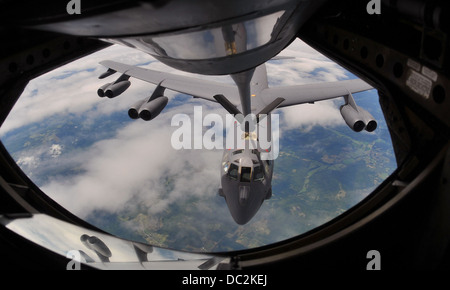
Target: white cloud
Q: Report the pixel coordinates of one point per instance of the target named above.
(28, 161)
(306, 116)
(307, 67)
(133, 165)
(55, 150)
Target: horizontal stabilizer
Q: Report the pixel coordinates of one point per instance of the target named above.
(227, 104)
(270, 107)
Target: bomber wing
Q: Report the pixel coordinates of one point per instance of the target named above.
(310, 93)
(205, 89)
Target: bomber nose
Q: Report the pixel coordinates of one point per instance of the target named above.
(241, 218)
(242, 221)
(246, 208)
(243, 200)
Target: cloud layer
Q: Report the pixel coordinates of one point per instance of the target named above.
(133, 165)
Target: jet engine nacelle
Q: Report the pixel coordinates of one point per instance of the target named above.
(97, 245)
(148, 110)
(101, 90)
(112, 90)
(358, 119)
(133, 111)
(116, 89)
(369, 120)
(352, 118)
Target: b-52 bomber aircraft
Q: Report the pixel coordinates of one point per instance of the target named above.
(245, 176)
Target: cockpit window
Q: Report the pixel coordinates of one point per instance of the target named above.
(258, 174)
(238, 151)
(246, 173)
(233, 171)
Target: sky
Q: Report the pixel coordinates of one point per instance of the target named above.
(128, 167)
